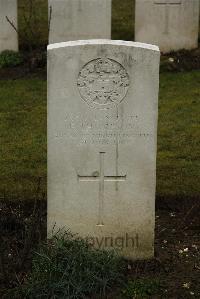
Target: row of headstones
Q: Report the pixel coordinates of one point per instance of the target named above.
(170, 24)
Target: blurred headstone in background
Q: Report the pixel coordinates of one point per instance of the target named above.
(79, 19)
(170, 24)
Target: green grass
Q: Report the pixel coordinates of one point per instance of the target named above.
(67, 267)
(142, 288)
(37, 30)
(123, 14)
(23, 136)
(178, 161)
(10, 58)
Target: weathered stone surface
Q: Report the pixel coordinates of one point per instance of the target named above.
(170, 24)
(79, 19)
(8, 36)
(102, 128)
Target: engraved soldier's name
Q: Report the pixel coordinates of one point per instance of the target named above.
(106, 130)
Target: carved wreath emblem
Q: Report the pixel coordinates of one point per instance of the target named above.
(103, 83)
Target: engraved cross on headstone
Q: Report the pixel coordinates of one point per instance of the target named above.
(167, 4)
(101, 178)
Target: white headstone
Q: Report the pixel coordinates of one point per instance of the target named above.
(102, 128)
(8, 36)
(170, 24)
(79, 19)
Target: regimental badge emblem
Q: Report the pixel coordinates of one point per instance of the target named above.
(103, 83)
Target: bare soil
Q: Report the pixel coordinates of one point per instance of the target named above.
(180, 61)
(177, 246)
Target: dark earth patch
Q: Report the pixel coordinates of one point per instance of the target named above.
(35, 62)
(183, 60)
(177, 246)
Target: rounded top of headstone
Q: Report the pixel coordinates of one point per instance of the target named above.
(103, 42)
